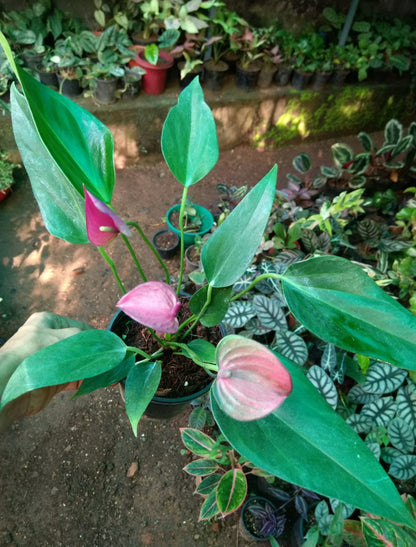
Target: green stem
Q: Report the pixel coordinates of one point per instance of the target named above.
(148, 243)
(182, 252)
(133, 255)
(254, 282)
(201, 313)
(183, 325)
(113, 268)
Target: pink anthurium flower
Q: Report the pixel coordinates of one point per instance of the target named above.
(103, 224)
(251, 381)
(154, 304)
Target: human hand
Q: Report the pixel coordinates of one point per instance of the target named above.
(40, 330)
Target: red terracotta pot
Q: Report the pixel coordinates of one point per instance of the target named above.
(154, 80)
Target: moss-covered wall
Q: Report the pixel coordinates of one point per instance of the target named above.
(348, 110)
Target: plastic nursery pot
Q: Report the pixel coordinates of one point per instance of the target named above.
(166, 243)
(69, 87)
(105, 90)
(214, 74)
(154, 80)
(161, 407)
(300, 79)
(246, 78)
(191, 261)
(189, 237)
(248, 521)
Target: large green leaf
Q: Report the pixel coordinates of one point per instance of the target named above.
(141, 384)
(61, 206)
(83, 355)
(217, 308)
(339, 303)
(80, 144)
(189, 137)
(231, 491)
(304, 442)
(229, 251)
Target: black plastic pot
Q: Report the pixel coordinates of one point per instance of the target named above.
(69, 87)
(162, 407)
(319, 80)
(48, 78)
(105, 91)
(166, 252)
(300, 79)
(283, 75)
(246, 78)
(248, 522)
(339, 77)
(266, 77)
(214, 74)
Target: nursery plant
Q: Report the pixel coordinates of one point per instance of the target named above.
(264, 405)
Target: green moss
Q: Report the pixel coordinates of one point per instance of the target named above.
(349, 110)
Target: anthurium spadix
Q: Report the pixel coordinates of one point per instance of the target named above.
(103, 224)
(154, 304)
(251, 381)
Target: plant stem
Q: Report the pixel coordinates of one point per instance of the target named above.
(148, 243)
(113, 268)
(201, 313)
(254, 282)
(133, 255)
(182, 252)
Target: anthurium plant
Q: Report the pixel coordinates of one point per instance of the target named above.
(264, 405)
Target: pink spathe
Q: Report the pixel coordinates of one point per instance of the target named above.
(103, 224)
(251, 381)
(154, 304)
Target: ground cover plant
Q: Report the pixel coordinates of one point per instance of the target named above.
(321, 293)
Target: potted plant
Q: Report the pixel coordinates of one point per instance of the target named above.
(166, 243)
(149, 21)
(261, 520)
(47, 69)
(215, 68)
(251, 394)
(156, 62)
(250, 47)
(197, 221)
(191, 64)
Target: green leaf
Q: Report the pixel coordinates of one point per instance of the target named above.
(223, 260)
(324, 385)
(61, 206)
(197, 442)
(198, 416)
(203, 349)
(80, 144)
(327, 292)
(201, 467)
(231, 491)
(310, 427)
(217, 308)
(379, 533)
(83, 355)
(106, 379)
(141, 384)
(189, 138)
(329, 358)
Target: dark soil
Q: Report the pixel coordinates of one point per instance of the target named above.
(166, 240)
(74, 474)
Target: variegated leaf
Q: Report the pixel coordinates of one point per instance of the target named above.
(383, 378)
(406, 404)
(393, 132)
(323, 384)
(366, 141)
(209, 484)
(347, 510)
(401, 435)
(255, 327)
(243, 283)
(403, 467)
(239, 313)
(360, 424)
(269, 312)
(375, 449)
(302, 163)
(342, 154)
(381, 411)
(358, 395)
(388, 454)
(329, 358)
(292, 346)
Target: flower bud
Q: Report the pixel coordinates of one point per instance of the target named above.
(251, 381)
(154, 304)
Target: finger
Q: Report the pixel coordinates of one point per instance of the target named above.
(51, 320)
